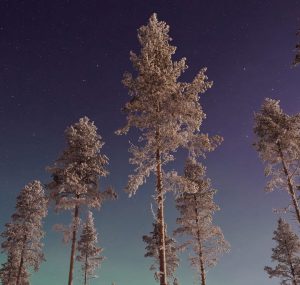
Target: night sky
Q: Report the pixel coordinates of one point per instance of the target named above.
(61, 60)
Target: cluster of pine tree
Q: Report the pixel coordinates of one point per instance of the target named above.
(278, 144)
(74, 186)
(168, 115)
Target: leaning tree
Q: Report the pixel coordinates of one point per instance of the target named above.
(166, 111)
(278, 144)
(76, 176)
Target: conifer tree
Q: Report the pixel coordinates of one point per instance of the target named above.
(297, 56)
(76, 176)
(286, 254)
(278, 144)
(152, 250)
(166, 111)
(23, 235)
(196, 214)
(89, 253)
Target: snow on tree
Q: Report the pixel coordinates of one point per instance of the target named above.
(175, 281)
(9, 270)
(76, 176)
(278, 144)
(297, 56)
(286, 254)
(196, 215)
(152, 250)
(22, 236)
(89, 252)
(166, 111)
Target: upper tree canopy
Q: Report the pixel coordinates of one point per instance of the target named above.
(76, 172)
(167, 111)
(278, 140)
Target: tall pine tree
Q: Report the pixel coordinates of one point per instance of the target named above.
(286, 255)
(278, 144)
(166, 111)
(76, 176)
(23, 235)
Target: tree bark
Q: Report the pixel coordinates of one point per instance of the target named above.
(160, 204)
(85, 270)
(294, 276)
(290, 184)
(291, 265)
(72, 257)
(21, 262)
(202, 270)
(161, 223)
(201, 265)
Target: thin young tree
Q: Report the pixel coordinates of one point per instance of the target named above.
(89, 253)
(23, 235)
(152, 250)
(196, 219)
(166, 111)
(76, 176)
(278, 144)
(286, 254)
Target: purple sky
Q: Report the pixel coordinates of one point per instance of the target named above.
(60, 60)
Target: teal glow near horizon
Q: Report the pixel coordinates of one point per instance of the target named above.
(62, 60)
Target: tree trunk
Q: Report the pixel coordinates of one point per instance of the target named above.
(72, 257)
(21, 262)
(202, 270)
(161, 223)
(291, 265)
(294, 277)
(201, 265)
(160, 204)
(85, 270)
(290, 185)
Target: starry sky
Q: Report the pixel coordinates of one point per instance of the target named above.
(61, 60)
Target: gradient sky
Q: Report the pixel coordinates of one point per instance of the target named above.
(61, 60)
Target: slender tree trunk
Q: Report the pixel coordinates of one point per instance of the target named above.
(201, 262)
(290, 184)
(72, 257)
(85, 270)
(294, 276)
(21, 262)
(161, 223)
(160, 204)
(202, 270)
(291, 265)
(9, 276)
